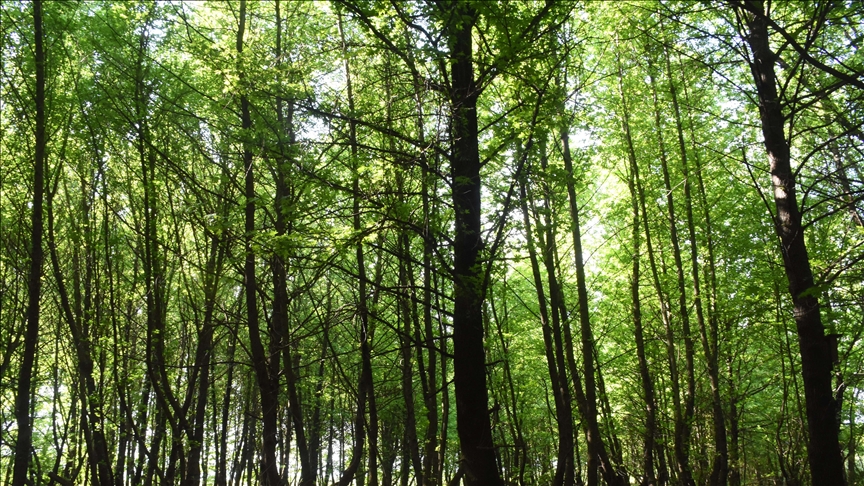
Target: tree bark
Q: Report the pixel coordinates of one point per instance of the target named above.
(203, 358)
(826, 461)
(596, 446)
(308, 472)
(365, 381)
(91, 407)
(649, 478)
(684, 418)
(511, 403)
(469, 363)
(24, 439)
(268, 393)
(563, 414)
(720, 466)
(412, 448)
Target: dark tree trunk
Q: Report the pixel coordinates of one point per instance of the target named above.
(155, 275)
(596, 446)
(315, 432)
(365, 381)
(671, 353)
(408, 315)
(511, 403)
(221, 478)
(97, 449)
(429, 378)
(826, 461)
(412, 448)
(24, 439)
(268, 392)
(684, 416)
(203, 355)
(563, 412)
(308, 471)
(559, 321)
(469, 357)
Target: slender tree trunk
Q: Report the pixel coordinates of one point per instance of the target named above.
(720, 466)
(563, 414)
(155, 453)
(735, 466)
(203, 358)
(649, 478)
(684, 419)
(445, 401)
(315, 432)
(308, 473)
(140, 425)
(407, 312)
(852, 445)
(671, 353)
(24, 439)
(511, 404)
(155, 274)
(222, 450)
(268, 393)
(365, 382)
(596, 446)
(126, 432)
(826, 461)
(429, 379)
(91, 407)
(411, 447)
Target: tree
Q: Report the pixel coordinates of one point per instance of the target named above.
(23, 440)
(826, 463)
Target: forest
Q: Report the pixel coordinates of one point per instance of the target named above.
(431, 243)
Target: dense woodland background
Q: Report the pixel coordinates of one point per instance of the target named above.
(396, 242)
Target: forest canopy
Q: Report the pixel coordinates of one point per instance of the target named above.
(432, 242)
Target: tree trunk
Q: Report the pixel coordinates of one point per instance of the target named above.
(268, 392)
(649, 478)
(97, 449)
(203, 358)
(683, 418)
(563, 413)
(511, 403)
(720, 466)
(24, 439)
(826, 461)
(429, 379)
(469, 363)
(412, 448)
(596, 446)
(365, 381)
(308, 472)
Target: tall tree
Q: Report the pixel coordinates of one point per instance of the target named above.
(267, 386)
(649, 476)
(24, 439)
(826, 462)
(469, 363)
